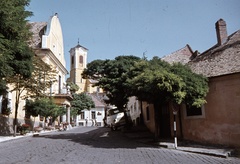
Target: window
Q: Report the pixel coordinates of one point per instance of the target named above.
(82, 115)
(93, 115)
(194, 112)
(113, 111)
(5, 104)
(72, 60)
(81, 59)
(59, 84)
(148, 113)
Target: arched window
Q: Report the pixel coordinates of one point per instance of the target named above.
(81, 59)
(72, 60)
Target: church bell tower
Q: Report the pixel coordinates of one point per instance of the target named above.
(78, 56)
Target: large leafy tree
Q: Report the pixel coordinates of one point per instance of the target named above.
(153, 81)
(15, 54)
(111, 77)
(44, 107)
(73, 87)
(196, 86)
(35, 86)
(43, 76)
(80, 102)
(158, 82)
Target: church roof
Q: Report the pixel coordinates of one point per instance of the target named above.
(80, 46)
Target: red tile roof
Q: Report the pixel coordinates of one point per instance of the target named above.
(220, 59)
(182, 55)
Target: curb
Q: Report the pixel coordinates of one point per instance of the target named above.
(198, 149)
(217, 152)
(33, 134)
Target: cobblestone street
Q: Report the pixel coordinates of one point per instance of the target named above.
(85, 145)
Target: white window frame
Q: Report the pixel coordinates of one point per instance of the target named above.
(194, 117)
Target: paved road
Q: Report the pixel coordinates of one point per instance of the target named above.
(90, 145)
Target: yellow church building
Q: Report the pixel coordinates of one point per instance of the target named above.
(47, 43)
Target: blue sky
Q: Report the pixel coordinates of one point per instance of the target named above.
(109, 28)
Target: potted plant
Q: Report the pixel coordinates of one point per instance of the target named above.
(24, 128)
(37, 129)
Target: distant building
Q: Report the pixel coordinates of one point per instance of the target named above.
(134, 108)
(94, 116)
(47, 43)
(78, 56)
(78, 59)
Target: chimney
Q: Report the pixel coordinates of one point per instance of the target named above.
(221, 29)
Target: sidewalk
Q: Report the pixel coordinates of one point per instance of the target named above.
(9, 138)
(142, 134)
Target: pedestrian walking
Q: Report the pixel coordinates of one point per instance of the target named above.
(96, 122)
(92, 122)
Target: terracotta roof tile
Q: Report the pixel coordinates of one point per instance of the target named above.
(38, 29)
(97, 102)
(182, 55)
(219, 60)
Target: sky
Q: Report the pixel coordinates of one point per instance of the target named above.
(110, 28)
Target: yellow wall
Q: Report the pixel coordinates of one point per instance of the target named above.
(221, 123)
(150, 124)
(53, 38)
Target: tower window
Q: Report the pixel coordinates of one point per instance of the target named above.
(72, 60)
(81, 59)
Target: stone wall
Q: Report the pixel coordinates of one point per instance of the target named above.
(6, 125)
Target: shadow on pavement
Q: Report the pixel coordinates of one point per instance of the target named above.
(98, 137)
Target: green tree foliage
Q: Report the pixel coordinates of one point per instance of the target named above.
(15, 54)
(196, 86)
(157, 80)
(80, 102)
(43, 76)
(95, 69)
(29, 108)
(111, 77)
(35, 85)
(73, 87)
(44, 107)
(152, 81)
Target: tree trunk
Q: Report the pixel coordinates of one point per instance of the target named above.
(16, 108)
(16, 113)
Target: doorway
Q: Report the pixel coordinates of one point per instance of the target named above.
(165, 127)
